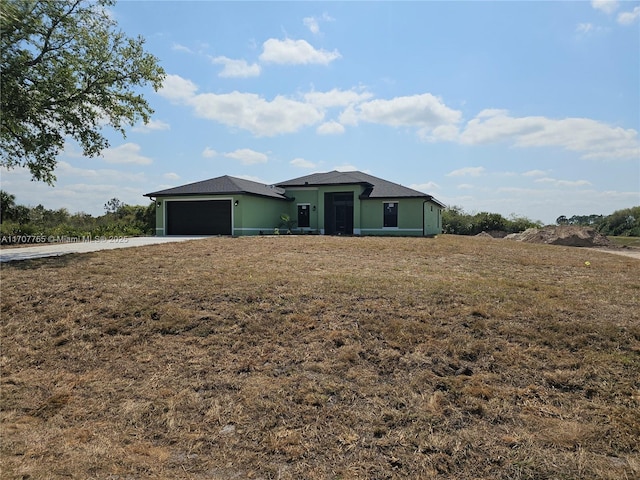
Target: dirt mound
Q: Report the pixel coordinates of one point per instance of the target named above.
(492, 234)
(568, 235)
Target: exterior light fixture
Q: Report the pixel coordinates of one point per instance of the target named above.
(313, 208)
(236, 203)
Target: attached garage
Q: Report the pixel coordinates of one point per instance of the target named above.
(199, 217)
(219, 206)
(338, 203)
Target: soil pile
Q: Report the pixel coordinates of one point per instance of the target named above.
(492, 234)
(568, 235)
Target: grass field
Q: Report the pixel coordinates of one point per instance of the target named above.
(626, 241)
(312, 357)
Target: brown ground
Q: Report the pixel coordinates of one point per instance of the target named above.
(567, 235)
(322, 357)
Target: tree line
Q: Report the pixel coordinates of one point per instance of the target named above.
(455, 220)
(20, 222)
(621, 223)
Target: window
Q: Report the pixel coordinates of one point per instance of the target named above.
(390, 214)
(303, 216)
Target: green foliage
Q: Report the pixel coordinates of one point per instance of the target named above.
(621, 223)
(456, 221)
(113, 206)
(624, 222)
(7, 204)
(287, 222)
(66, 71)
(120, 220)
(581, 220)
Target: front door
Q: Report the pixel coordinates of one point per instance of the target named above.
(338, 213)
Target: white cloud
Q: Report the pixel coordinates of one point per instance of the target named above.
(126, 153)
(425, 187)
(607, 6)
(467, 171)
(424, 111)
(336, 98)
(563, 183)
(177, 89)
(330, 128)
(209, 152)
(281, 115)
(244, 110)
(535, 173)
(348, 168)
(295, 52)
(171, 176)
(349, 116)
(152, 126)
(584, 28)
(445, 133)
(434, 120)
(302, 163)
(313, 23)
(247, 156)
(594, 139)
(65, 170)
(176, 47)
(252, 112)
(627, 18)
(236, 68)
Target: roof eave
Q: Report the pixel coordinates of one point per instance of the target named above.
(200, 194)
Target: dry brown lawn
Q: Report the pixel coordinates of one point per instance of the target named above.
(305, 357)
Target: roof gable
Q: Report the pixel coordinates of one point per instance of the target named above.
(222, 185)
(374, 187)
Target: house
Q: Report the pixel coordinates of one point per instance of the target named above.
(332, 203)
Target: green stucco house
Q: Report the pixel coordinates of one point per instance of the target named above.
(332, 203)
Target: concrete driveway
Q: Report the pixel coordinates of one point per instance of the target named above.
(83, 246)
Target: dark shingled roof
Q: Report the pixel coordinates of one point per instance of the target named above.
(222, 185)
(374, 187)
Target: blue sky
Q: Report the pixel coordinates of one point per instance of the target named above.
(526, 108)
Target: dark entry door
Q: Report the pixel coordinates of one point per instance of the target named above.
(199, 217)
(338, 213)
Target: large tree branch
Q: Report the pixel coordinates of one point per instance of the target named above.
(46, 48)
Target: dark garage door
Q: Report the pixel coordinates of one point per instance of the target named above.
(199, 217)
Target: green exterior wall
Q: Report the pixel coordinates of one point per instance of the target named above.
(305, 196)
(256, 215)
(432, 219)
(252, 216)
(409, 217)
(315, 197)
(416, 217)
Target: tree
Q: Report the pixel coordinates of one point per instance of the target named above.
(7, 205)
(66, 71)
(113, 206)
(456, 221)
